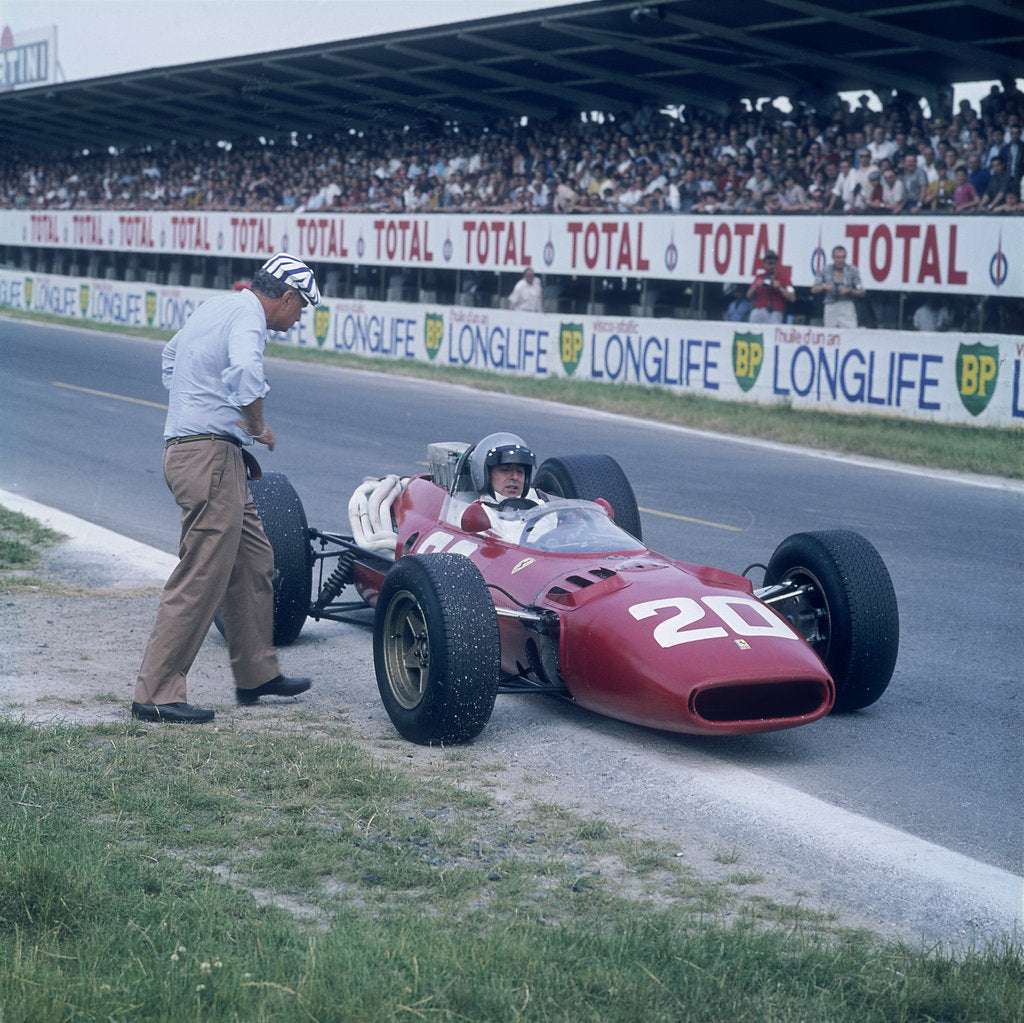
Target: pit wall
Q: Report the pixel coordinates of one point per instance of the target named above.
(972, 379)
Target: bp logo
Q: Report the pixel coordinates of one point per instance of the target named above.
(977, 370)
(321, 322)
(747, 357)
(570, 345)
(83, 300)
(28, 292)
(150, 307)
(433, 332)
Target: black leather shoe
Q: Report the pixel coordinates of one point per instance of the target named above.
(279, 686)
(173, 713)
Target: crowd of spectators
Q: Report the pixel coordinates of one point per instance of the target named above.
(839, 158)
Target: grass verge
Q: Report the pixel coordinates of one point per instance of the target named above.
(985, 451)
(202, 874)
(23, 541)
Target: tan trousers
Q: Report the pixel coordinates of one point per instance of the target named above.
(225, 561)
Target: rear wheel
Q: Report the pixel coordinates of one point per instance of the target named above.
(284, 522)
(436, 648)
(847, 609)
(588, 477)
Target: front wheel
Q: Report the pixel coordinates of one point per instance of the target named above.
(844, 605)
(588, 477)
(436, 648)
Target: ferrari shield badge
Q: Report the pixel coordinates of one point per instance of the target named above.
(433, 332)
(150, 306)
(321, 323)
(747, 357)
(83, 299)
(28, 292)
(977, 370)
(570, 346)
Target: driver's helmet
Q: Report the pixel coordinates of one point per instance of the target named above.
(499, 449)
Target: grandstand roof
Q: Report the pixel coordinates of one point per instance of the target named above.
(607, 55)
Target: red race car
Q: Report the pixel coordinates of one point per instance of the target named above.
(554, 592)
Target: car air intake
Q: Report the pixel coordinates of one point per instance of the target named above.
(760, 701)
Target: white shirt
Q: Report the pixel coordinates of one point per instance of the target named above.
(527, 297)
(213, 367)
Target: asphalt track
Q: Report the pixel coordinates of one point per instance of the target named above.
(927, 781)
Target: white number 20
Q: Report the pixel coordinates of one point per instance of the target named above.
(676, 629)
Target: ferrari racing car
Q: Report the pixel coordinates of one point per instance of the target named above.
(559, 595)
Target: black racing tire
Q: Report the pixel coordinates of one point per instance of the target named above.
(436, 648)
(854, 604)
(588, 477)
(284, 522)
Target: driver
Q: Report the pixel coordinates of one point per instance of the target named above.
(501, 468)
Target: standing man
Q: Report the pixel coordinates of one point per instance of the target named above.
(528, 294)
(1012, 156)
(771, 291)
(213, 369)
(840, 284)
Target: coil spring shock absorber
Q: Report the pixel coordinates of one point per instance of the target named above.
(336, 581)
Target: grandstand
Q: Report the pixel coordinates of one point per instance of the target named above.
(587, 115)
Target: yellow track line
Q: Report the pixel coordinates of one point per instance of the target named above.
(686, 518)
(107, 394)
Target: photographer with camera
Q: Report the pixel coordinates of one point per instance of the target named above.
(771, 291)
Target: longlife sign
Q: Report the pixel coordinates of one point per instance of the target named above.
(975, 379)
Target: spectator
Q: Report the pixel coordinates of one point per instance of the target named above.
(528, 294)
(863, 168)
(893, 197)
(1010, 204)
(748, 203)
(932, 316)
(817, 191)
(708, 203)
(839, 283)
(793, 198)
(730, 201)
(771, 203)
(760, 181)
(873, 196)
(739, 305)
(915, 183)
(1012, 156)
(689, 193)
(965, 199)
(996, 188)
(926, 161)
(938, 196)
(880, 147)
(978, 175)
(843, 195)
(770, 291)
(995, 145)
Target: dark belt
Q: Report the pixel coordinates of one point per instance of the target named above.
(204, 436)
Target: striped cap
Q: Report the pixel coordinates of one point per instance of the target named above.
(295, 274)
